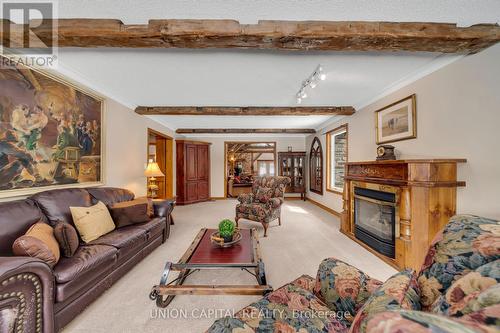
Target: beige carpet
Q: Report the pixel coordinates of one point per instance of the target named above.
(308, 234)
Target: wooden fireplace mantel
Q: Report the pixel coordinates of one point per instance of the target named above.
(426, 198)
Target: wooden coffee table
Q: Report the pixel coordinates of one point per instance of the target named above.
(202, 254)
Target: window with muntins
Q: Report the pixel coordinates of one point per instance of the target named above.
(336, 158)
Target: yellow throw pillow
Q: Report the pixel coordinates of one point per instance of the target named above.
(92, 222)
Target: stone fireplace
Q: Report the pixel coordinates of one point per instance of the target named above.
(395, 208)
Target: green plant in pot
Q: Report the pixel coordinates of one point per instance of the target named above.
(226, 230)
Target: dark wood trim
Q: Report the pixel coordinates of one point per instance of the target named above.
(245, 130)
(267, 34)
(413, 99)
(424, 161)
(168, 179)
(193, 142)
(328, 155)
(320, 151)
(246, 110)
(239, 142)
(155, 132)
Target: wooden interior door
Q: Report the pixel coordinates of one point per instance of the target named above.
(160, 149)
(202, 171)
(161, 145)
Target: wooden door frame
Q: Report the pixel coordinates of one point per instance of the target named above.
(169, 156)
(225, 159)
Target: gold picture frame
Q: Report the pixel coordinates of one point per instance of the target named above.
(397, 121)
(52, 164)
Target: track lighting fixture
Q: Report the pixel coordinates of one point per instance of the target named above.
(311, 82)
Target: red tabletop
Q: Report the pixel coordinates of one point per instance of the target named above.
(208, 253)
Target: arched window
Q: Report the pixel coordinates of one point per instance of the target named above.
(316, 167)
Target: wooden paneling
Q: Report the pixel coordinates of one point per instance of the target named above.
(203, 190)
(193, 171)
(246, 111)
(192, 191)
(266, 34)
(202, 165)
(427, 200)
(191, 162)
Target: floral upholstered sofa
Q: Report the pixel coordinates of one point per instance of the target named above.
(264, 203)
(456, 290)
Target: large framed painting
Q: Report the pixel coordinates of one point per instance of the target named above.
(397, 121)
(51, 133)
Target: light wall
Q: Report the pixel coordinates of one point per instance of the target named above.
(217, 154)
(126, 147)
(125, 139)
(458, 116)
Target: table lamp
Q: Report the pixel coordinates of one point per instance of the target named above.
(152, 171)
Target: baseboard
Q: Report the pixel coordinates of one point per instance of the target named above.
(328, 209)
(292, 198)
(218, 198)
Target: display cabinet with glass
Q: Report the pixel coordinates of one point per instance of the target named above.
(292, 164)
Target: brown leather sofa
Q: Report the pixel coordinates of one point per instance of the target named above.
(36, 298)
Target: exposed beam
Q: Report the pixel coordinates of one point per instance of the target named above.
(267, 34)
(246, 111)
(244, 130)
(255, 158)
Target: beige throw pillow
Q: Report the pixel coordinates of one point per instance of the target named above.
(92, 222)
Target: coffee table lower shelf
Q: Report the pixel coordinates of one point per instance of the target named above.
(165, 292)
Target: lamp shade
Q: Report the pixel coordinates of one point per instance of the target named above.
(153, 170)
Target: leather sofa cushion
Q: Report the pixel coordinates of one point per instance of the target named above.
(110, 195)
(125, 239)
(131, 212)
(87, 260)
(16, 217)
(88, 266)
(67, 237)
(55, 203)
(38, 242)
(153, 227)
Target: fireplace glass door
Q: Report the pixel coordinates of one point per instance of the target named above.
(375, 219)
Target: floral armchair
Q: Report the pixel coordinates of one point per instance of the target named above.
(456, 290)
(264, 203)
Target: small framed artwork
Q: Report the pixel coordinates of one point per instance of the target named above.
(397, 121)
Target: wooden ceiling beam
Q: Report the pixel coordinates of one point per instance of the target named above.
(245, 130)
(267, 34)
(246, 111)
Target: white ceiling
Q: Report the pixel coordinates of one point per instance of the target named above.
(251, 77)
(175, 122)
(463, 12)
